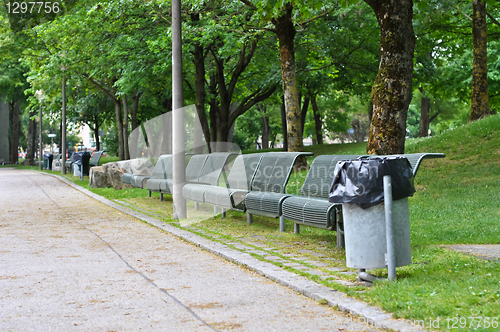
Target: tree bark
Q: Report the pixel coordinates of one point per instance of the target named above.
(392, 89)
(214, 108)
(425, 104)
(200, 93)
(285, 30)
(16, 107)
(266, 129)
(480, 107)
(96, 133)
(126, 151)
(30, 149)
(284, 126)
(303, 113)
(318, 123)
(119, 127)
(135, 109)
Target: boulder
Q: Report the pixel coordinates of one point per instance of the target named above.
(98, 177)
(114, 174)
(110, 174)
(140, 166)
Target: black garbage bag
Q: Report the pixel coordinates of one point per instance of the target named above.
(82, 160)
(361, 181)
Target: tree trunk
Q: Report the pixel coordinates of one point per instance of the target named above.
(30, 149)
(96, 133)
(200, 93)
(318, 123)
(135, 109)
(392, 89)
(119, 127)
(266, 129)
(303, 113)
(125, 128)
(425, 104)
(16, 106)
(480, 107)
(370, 111)
(214, 109)
(284, 125)
(285, 30)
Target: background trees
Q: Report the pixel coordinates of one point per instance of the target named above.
(245, 59)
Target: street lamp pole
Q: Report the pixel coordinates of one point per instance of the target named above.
(39, 96)
(63, 130)
(178, 146)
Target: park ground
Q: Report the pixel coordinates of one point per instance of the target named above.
(456, 206)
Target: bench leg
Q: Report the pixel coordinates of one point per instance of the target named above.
(340, 231)
(149, 193)
(161, 197)
(223, 213)
(296, 228)
(216, 210)
(340, 237)
(249, 218)
(196, 206)
(282, 224)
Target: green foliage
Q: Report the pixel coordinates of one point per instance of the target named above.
(111, 141)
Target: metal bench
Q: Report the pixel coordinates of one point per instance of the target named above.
(69, 163)
(94, 161)
(161, 172)
(312, 208)
(268, 186)
(209, 176)
(139, 180)
(415, 159)
(163, 183)
(237, 184)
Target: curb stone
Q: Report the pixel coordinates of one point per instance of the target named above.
(368, 314)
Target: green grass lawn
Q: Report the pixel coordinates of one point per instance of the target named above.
(457, 202)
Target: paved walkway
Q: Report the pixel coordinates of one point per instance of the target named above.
(71, 263)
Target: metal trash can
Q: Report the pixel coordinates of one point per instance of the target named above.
(81, 161)
(358, 185)
(47, 161)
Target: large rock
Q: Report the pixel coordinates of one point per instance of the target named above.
(110, 174)
(115, 177)
(141, 166)
(98, 177)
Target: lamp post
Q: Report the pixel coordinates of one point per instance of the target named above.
(178, 148)
(39, 96)
(63, 127)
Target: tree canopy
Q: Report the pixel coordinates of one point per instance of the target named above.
(311, 67)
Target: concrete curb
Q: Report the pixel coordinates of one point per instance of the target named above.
(370, 315)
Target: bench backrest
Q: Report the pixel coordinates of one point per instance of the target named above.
(274, 171)
(163, 167)
(320, 176)
(212, 169)
(243, 170)
(194, 167)
(415, 159)
(94, 161)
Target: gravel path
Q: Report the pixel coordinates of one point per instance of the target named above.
(71, 263)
